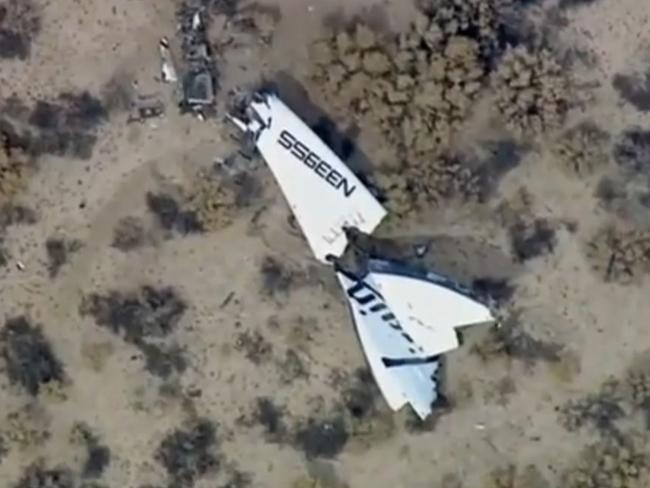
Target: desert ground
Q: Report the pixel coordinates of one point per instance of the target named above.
(163, 323)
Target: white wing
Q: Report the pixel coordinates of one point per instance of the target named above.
(323, 193)
(429, 306)
(404, 372)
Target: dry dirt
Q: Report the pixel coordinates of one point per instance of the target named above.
(164, 325)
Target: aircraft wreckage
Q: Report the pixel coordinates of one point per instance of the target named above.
(405, 320)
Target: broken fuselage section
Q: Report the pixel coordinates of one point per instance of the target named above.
(199, 74)
(404, 320)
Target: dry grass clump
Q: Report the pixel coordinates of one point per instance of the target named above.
(484, 21)
(418, 88)
(615, 402)
(582, 149)
(619, 254)
(512, 477)
(532, 91)
(530, 236)
(415, 88)
(420, 184)
(610, 463)
(20, 24)
(632, 150)
(129, 234)
(216, 198)
(212, 201)
(15, 170)
(311, 482)
(636, 385)
(513, 340)
(24, 428)
(599, 410)
(240, 27)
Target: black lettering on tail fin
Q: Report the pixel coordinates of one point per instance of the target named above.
(286, 140)
(346, 187)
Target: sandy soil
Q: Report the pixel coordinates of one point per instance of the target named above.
(258, 345)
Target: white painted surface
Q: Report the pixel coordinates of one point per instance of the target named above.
(321, 208)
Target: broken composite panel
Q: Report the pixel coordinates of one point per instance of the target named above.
(404, 319)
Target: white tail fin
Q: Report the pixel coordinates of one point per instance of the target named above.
(322, 192)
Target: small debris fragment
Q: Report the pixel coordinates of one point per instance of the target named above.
(146, 107)
(227, 300)
(167, 68)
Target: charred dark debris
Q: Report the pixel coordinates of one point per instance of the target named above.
(199, 79)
